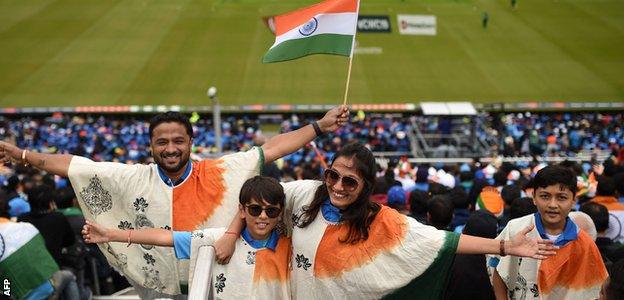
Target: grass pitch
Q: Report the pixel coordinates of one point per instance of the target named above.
(83, 52)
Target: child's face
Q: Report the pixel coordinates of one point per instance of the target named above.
(554, 202)
(260, 218)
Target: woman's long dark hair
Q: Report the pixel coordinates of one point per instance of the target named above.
(359, 214)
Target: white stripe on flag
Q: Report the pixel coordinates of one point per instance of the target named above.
(16, 235)
(616, 226)
(340, 23)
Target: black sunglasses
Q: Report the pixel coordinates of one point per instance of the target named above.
(256, 210)
(349, 183)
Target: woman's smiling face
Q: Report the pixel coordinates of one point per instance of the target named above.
(342, 196)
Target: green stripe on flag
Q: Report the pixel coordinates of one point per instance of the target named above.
(23, 279)
(431, 283)
(480, 203)
(337, 44)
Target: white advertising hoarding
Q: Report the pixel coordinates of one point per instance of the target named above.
(417, 24)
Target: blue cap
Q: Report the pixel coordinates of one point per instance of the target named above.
(396, 195)
(464, 168)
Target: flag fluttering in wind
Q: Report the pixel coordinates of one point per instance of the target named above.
(324, 28)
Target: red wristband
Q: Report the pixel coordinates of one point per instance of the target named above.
(232, 233)
(502, 248)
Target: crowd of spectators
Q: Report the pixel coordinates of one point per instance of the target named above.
(124, 138)
(448, 197)
(555, 133)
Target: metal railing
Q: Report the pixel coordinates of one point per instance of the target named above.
(201, 287)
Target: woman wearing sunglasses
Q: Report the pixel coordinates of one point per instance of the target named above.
(259, 265)
(345, 246)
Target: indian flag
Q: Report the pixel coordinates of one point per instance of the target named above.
(20, 246)
(327, 27)
(491, 200)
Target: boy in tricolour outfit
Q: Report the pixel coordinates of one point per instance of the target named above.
(576, 272)
(259, 267)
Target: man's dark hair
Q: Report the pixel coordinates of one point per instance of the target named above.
(4, 205)
(619, 177)
(606, 186)
(466, 176)
(572, 165)
(521, 207)
(418, 202)
(48, 179)
(381, 186)
(500, 178)
(168, 117)
(509, 193)
(598, 213)
(40, 197)
(262, 188)
(481, 223)
(12, 183)
(64, 197)
(459, 197)
(555, 175)
(440, 210)
(615, 289)
(437, 189)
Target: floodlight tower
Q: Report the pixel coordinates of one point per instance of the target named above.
(216, 117)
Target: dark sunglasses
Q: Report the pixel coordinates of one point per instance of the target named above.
(256, 210)
(349, 183)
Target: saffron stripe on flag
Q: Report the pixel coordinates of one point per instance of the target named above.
(341, 23)
(323, 43)
(286, 22)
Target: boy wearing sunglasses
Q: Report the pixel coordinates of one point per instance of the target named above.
(259, 266)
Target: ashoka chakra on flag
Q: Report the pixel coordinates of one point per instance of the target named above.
(327, 27)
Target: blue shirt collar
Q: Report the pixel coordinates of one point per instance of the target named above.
(170, 182)
(330, 212)
(570, 231)
(270, 243)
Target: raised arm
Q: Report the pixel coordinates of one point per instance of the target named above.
(57, 164)
(520, 245)
(289, 142)
(96, 233)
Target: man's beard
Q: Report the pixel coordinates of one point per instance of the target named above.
(176, 168)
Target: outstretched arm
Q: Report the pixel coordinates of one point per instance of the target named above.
(519, 245)
(289, 142)
(57, 164)
(96, 233)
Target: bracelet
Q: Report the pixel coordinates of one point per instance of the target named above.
(129, 234)
(232, 233)
(502, 248)
(24, 157)
(317, 129)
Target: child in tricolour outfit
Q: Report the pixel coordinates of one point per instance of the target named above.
(259, 266)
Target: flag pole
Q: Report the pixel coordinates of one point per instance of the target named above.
(344, 101)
